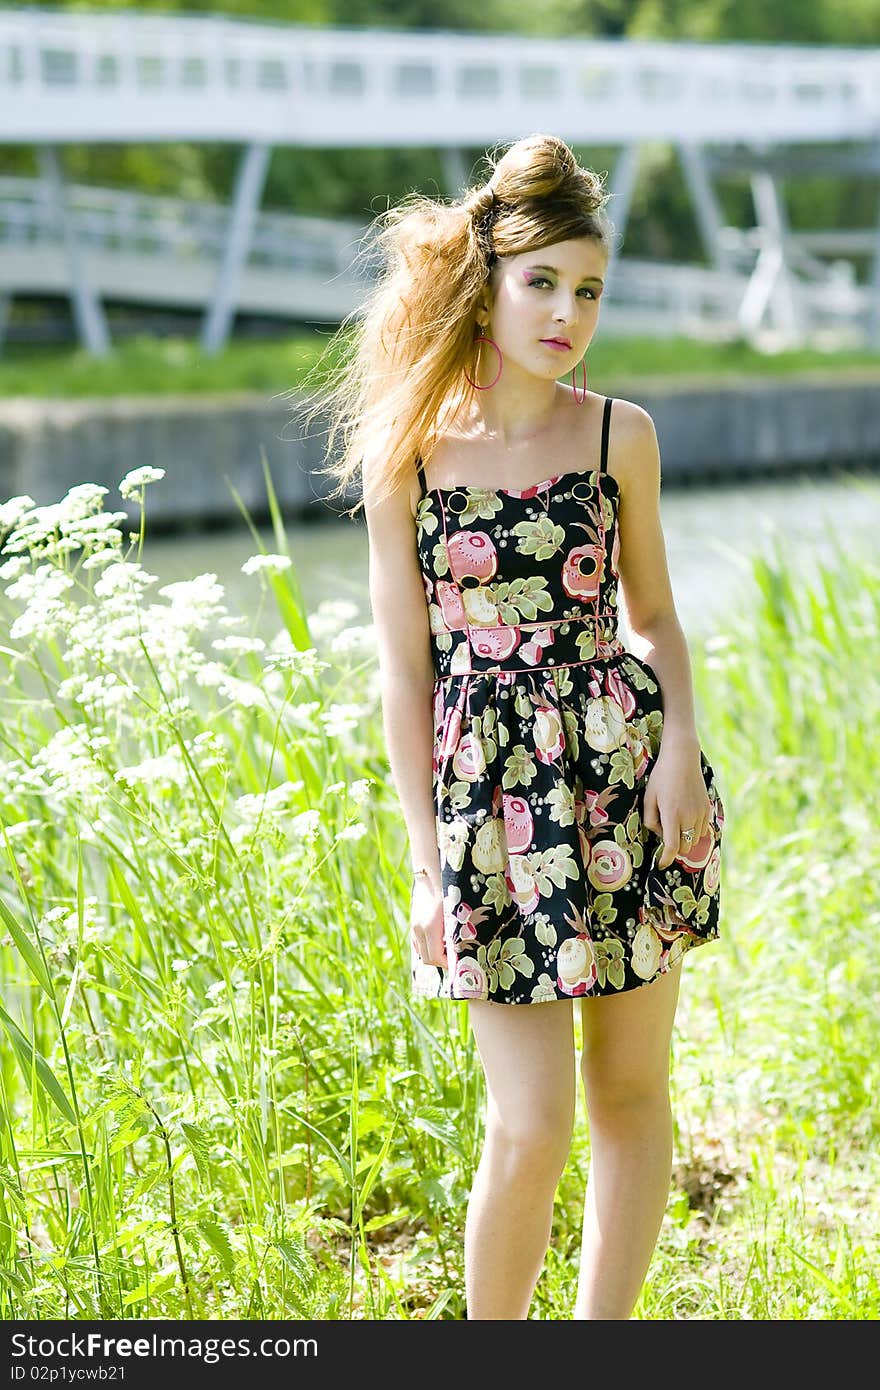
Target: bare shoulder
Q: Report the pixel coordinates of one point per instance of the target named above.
(385, 508)
(633, 451)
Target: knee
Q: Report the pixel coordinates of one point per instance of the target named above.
(624, 1095)
(533, 1145)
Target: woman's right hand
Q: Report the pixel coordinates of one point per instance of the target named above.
(426, 921)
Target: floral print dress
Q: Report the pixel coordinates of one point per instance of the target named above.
(546, 730)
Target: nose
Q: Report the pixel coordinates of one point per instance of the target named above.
(564, 312)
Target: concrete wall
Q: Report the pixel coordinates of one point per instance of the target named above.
(708, 429)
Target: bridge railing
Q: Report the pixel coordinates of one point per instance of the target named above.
(186, 76)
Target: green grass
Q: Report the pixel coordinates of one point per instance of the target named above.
(146, 365)
(218, 1098)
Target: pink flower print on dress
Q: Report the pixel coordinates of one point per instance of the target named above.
(697, 855)
(617, 688)
(450, 732)
(519, 824)
(494, 643)
(469, 980)
(529, 492)
(533, 650)
(489, 853)
(461, 664)
(647, 948)
(640, 749)
(548, 734)
(451, 605)
(522, 883)
(472, 554)
(576, 966)
(480, 606)
(582, 571)
(674, 952)
(604, 724)
(469, 760)
(592, 808)
(466, 930)
(712, 875)
(610, 866)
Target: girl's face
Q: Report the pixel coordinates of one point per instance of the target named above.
(547, 294)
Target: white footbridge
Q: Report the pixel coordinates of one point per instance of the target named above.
(768, 112)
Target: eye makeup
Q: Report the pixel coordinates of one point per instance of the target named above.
(533, 271)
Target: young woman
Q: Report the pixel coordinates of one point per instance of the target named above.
(564, 823)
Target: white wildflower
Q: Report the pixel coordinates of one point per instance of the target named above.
(305, 663)
(67, 763)
(13, 510)
(352, 832)
(138, 478)
(252, 805)
(81, 499)
(354, 639)
(305, 825)
(359, 791)
(238, 644)
(244, 693)
(200, 596)
(45, 582)
(95, 693)
(100, 557)
(166, 768)
(14, 566)
(341, 719)
(266, 564)
(331, 617)
(302, 716)
(64, 546)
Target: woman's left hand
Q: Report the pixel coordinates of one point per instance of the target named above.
(676, 799)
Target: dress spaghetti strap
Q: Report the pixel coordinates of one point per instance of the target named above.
(421, 476)
(606, 421)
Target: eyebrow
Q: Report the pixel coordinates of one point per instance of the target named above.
(594, 279)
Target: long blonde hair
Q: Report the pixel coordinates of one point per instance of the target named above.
(401, 370)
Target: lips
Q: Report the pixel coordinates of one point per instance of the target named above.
(557, 342)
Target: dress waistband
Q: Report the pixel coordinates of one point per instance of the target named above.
(573, 641)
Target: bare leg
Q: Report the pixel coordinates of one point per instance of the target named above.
(625, 1067)
(527, 1051)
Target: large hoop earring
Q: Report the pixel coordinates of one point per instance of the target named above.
(480, 339)
(582, 363)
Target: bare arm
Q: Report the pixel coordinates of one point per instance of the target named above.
(406, 669)
(644, 574)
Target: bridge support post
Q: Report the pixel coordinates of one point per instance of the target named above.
(249, 181)
(772, 265)
(88, 310)
(706, 205)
